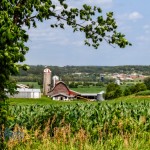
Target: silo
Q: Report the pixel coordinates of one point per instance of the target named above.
(46, 80)
(55, 80)
(117, 81)
(100, 96)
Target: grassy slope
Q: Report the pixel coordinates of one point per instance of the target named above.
(48, 101)
(40, 101)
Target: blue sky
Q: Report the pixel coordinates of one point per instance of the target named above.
(63, 47)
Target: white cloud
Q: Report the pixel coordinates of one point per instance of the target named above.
(146, 26)
(143, 38)
(147, 29)
(52, 36)
(123, 18)
(135, 16)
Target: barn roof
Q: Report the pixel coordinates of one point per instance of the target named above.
(61, 82)
(88, 94)
(28, 90)
(22, 86)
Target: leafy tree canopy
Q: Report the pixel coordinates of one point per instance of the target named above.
(15, 15)
(113, 91)
(147, 82)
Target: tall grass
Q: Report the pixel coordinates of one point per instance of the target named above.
(63, 139)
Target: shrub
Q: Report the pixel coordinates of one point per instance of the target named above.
(127, 91)
(147, 82)
(140, 87)
(73, 85)
(113, 91)
(100, 84)
(137, 88)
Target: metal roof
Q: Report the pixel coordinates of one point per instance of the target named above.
(22, 86)
(88, 94)
(28, 90)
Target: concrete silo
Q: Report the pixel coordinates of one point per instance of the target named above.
(46, 80)
(55, 80)
(100, 96)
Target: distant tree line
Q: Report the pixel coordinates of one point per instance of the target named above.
(114, 91)
(85, 84)
(69, 73)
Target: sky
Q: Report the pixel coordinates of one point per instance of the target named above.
(57, 47)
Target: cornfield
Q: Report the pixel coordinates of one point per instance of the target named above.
(79, 126)
(98, 121)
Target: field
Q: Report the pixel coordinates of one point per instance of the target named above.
(89, 89)
(40, 101)
(48, 101)
(121, 124)
(96, 89)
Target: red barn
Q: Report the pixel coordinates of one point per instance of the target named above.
(61, 92)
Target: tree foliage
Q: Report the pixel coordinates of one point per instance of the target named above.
(113, 91)
(127, 91)
(147, 82)
(137, 87)
(15, 15)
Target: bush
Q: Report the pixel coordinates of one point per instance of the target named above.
(113, 91)
(147, 82)
(140, 87)
(100, 84)
(137, 88)
(127, 91)
(134, 89)
(73, 85)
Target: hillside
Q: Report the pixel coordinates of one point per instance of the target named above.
(78, 73)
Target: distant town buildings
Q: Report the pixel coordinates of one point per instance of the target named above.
(124, 77)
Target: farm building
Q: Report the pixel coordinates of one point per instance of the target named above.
(46, 80)
(92, 96)
(61, 92)
(26, 93)
(88, 96)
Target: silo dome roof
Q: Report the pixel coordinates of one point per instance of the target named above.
(55, 77)
(47, 70)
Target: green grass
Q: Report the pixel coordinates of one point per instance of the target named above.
(95, 89)
(130, 99)
(40, 101)
(92, 89)
(48, 101)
